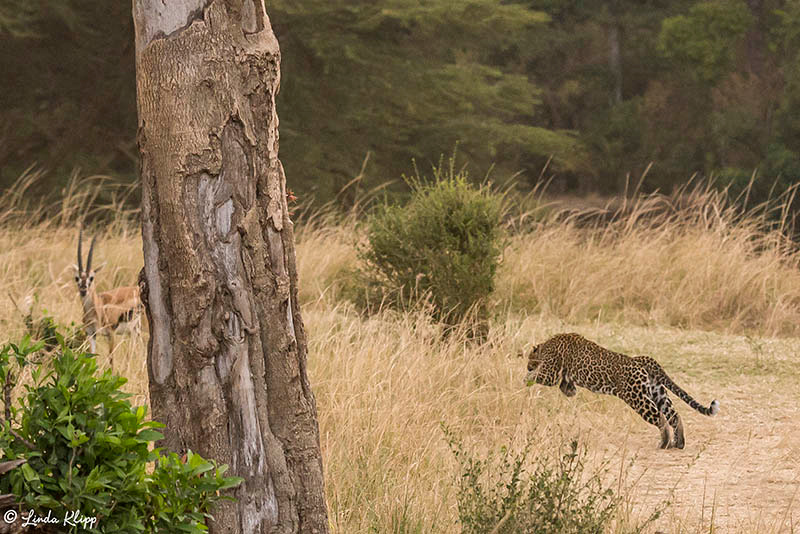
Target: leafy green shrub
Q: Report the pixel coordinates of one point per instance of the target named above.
(87, 450)
(498, 495)
(443, 246)
(182, 491)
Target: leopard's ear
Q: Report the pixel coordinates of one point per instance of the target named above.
(526, 352)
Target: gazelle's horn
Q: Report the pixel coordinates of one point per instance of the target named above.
(80, 260)
(89, 257)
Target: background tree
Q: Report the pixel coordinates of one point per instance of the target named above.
(605, 88)
(67, 96)
(227, 349)
(410, 80)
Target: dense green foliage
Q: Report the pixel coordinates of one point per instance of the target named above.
(605, 88)
(68, 90)
(182, 492)
(404, 79)
(442, 247)
(87, 450)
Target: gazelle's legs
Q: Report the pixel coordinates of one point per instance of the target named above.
(111, 348)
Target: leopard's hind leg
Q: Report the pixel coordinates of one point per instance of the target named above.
(638, 396)
(664, 403)
(677, 425)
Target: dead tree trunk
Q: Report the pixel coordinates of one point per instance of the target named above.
(227, 349)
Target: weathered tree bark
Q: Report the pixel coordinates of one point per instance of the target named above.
(227, 348)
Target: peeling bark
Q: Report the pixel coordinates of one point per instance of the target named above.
(227, 350)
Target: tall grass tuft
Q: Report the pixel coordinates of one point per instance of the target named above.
(694, 259)
(38, 240)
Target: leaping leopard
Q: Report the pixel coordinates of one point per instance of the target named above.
(570, 360)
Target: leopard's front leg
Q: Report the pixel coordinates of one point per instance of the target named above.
(567, 385)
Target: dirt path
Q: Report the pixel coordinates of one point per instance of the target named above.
(744, 468)
(741, 467)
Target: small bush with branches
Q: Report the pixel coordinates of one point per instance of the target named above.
(504, 495)
(442, 248)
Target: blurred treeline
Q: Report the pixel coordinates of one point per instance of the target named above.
(586, 91)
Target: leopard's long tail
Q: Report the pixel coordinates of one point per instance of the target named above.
(675, 388)
(656, 371)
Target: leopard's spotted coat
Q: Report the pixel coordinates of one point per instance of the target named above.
(570, 360)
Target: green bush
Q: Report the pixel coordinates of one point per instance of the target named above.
(497, 495)
(182, 491)
(87, 450)
(442, 247)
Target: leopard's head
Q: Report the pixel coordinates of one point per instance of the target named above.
(538, 371)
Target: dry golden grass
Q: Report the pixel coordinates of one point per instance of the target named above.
(384, 385)
(692, 259)
(681, 284)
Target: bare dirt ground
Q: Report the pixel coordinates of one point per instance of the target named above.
(742, 470)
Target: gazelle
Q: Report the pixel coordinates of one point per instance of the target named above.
(117, 310)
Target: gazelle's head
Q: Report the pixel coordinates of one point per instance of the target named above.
(84, 278)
